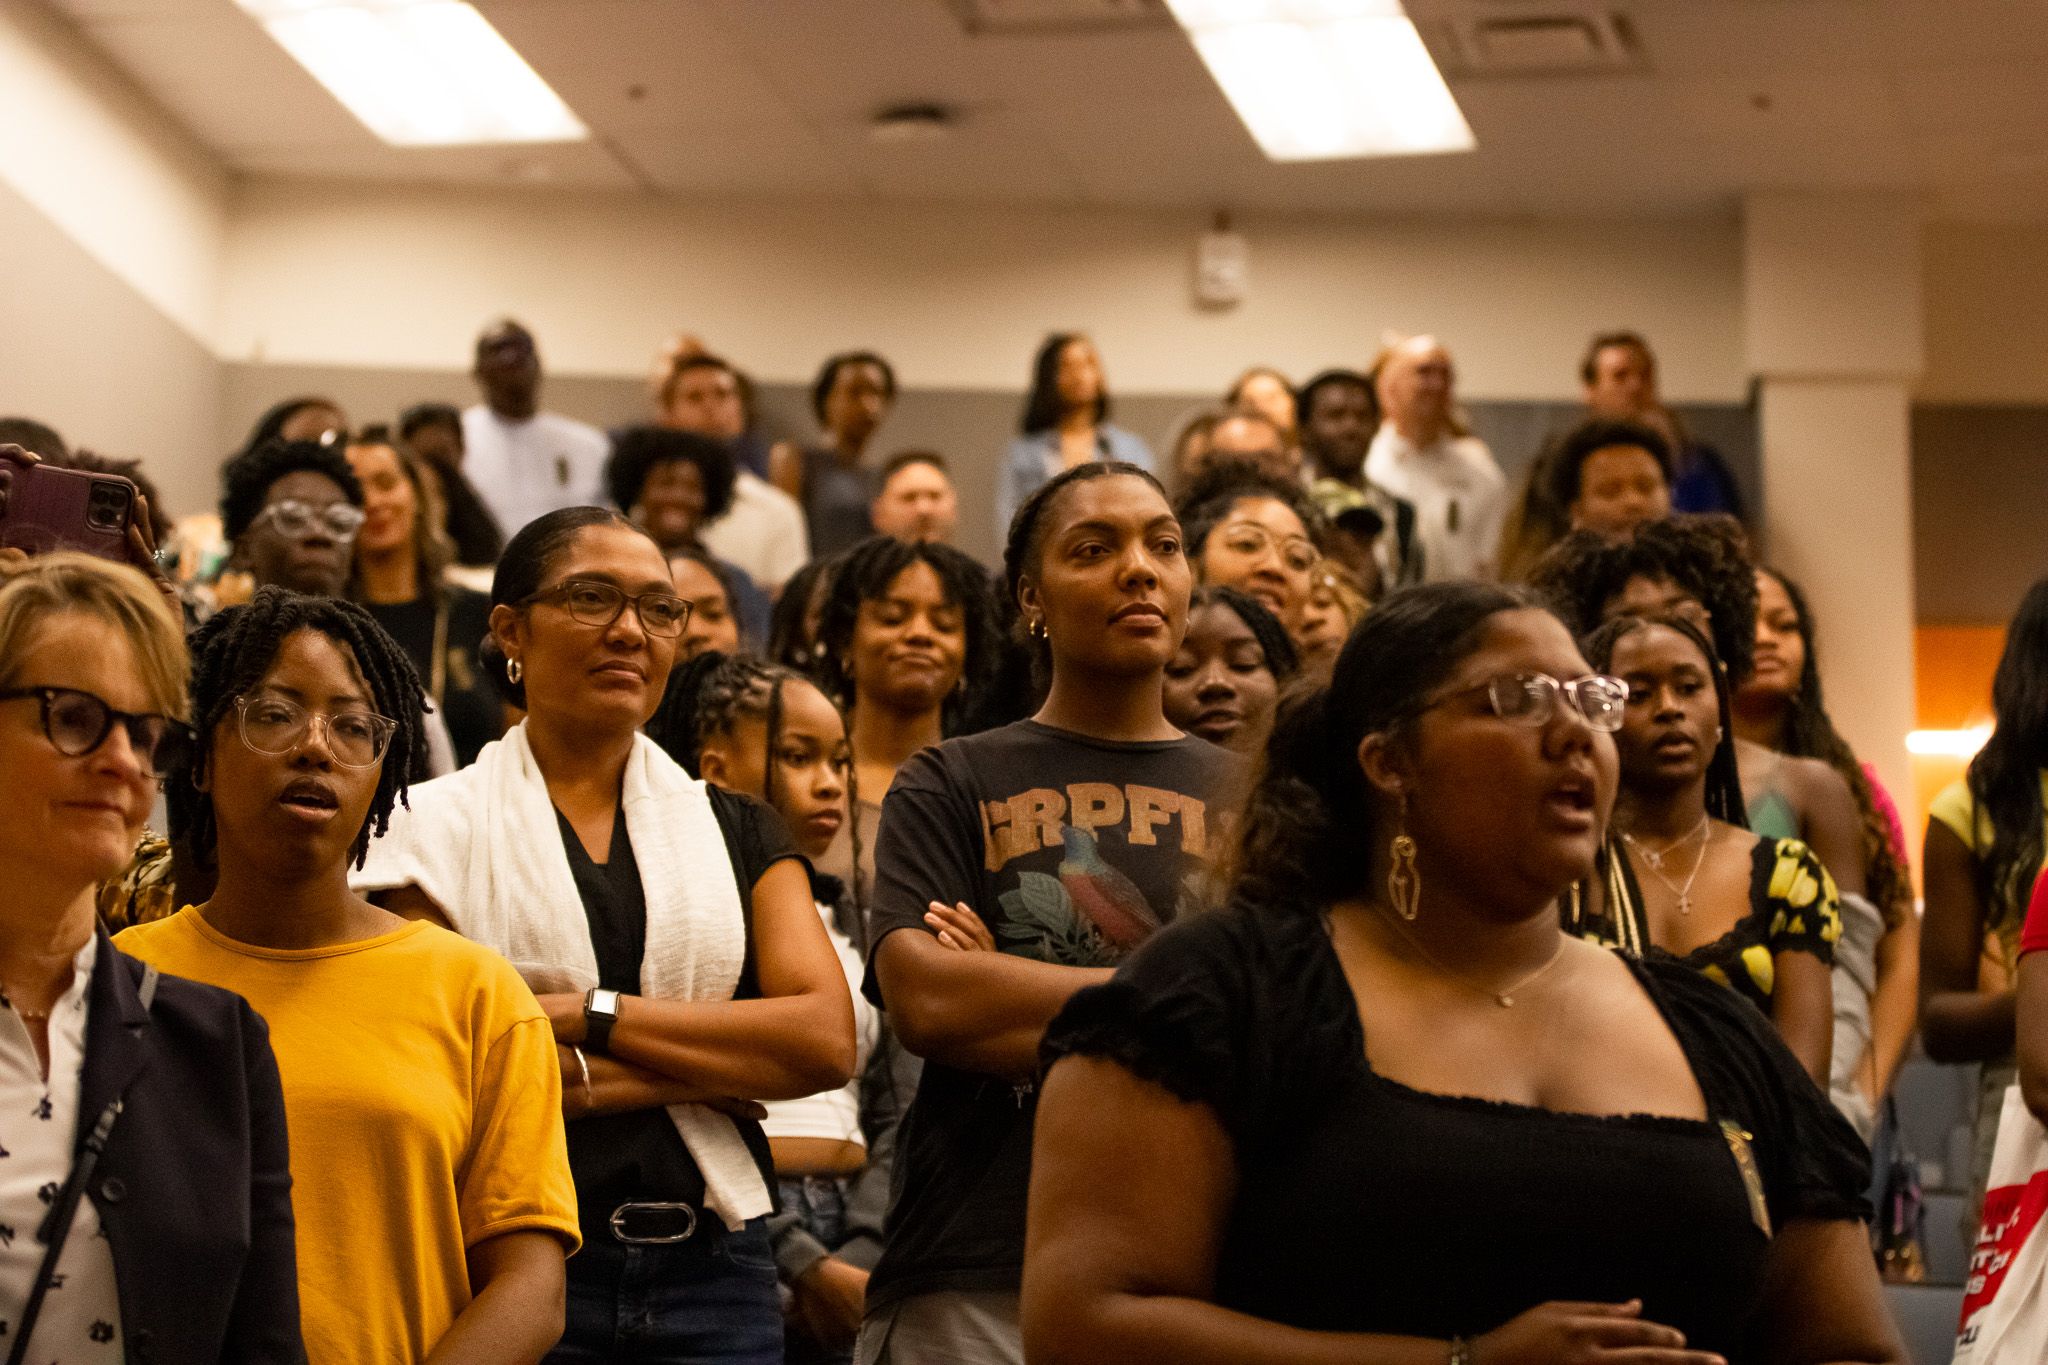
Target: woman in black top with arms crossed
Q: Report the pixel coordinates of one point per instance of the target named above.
(1381, 1110)
(1073, 835)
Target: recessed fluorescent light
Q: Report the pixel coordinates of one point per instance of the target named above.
(1948, 743)
(1320, 79)
(420, 73)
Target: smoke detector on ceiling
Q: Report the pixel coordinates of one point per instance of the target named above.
(913, 123)
(1552, 40)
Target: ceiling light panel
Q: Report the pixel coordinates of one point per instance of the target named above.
(1316, 80)
(420, 73)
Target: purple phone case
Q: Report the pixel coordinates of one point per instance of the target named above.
(44, 508)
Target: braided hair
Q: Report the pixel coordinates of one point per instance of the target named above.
(1810, 733)
(1706, 557)
(709, 695)
(230, 655)
(789, 640)
(1724, 781)
(864, 574)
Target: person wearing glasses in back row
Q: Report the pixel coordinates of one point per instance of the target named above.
(148, 1105)
(1260, 535)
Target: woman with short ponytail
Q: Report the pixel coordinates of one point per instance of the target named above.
(1382, 1110)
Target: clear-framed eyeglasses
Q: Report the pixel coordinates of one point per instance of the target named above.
(1250, 539)
(1531, 698)
(278, 725)
(294, 518)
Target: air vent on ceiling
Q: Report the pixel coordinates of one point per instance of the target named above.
(1552, 42)
(1060, 16)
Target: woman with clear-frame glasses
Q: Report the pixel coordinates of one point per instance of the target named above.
(431, 1183)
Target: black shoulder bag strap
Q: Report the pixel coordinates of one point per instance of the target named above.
(56, 1225)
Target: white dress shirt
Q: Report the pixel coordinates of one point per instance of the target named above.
(81, 1315)
(762, 534)
(524, 470)
(1460, 497)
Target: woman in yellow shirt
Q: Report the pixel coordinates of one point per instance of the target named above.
(429, 1173)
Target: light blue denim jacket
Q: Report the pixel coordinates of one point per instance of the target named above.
(1033, 460)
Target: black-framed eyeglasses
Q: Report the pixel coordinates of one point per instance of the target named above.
(277, 725)
(599, 604)
(1531, 698)
(293, 518)
(76, 724)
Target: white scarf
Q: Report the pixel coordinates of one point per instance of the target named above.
(485, 845)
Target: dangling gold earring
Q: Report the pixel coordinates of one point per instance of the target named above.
(1036, 630)
(514, 671)
(1404, 883)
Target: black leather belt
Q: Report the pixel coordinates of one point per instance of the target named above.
(653, 1224)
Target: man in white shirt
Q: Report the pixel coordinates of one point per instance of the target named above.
(763, 533)
(524, 462)
(1422, 453)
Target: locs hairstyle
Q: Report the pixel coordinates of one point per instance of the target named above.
(863, 574)
(230, 655)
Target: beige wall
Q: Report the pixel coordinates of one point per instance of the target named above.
(83, 146)
(1987, 313)
(83, 351)
(957, 296)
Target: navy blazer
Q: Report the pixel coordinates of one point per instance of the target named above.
(194, 1187)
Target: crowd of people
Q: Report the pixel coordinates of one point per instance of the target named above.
(649, 896)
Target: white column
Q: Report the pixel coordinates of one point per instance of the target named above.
(1834, 336)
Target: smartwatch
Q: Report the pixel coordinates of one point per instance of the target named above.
(600, 1012)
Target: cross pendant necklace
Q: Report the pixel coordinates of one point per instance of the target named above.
(1654, 860)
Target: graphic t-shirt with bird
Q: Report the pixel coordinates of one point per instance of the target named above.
(1073, 851)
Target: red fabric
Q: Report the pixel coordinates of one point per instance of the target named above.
(2034, 936)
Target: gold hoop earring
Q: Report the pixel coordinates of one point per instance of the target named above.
(1036, 630)
(1404, 883)
(514, 671)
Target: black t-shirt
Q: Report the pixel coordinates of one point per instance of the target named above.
(638, 1156)
(468, 704)
(1072, 850)
(1363, 1205)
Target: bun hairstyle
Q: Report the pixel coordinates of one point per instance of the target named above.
(1306, 836)
(528, 559)
(1724, 780)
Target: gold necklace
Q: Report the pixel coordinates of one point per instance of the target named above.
(1505, 998)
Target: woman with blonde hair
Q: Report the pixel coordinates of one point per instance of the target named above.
(141, 1115)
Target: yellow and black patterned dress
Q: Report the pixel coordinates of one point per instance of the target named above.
(1793, 908)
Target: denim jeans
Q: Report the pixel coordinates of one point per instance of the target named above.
(820, 1205)
(708, 1301)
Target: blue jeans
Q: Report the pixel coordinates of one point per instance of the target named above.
(708, 1301)
(820, 1205)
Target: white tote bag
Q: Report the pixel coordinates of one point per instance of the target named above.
(2005, 1303)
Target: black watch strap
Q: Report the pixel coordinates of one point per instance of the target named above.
(600, 1012)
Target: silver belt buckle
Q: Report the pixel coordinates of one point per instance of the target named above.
(618, 1220)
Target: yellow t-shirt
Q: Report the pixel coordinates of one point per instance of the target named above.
(424, 1104)
(1956, 808)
